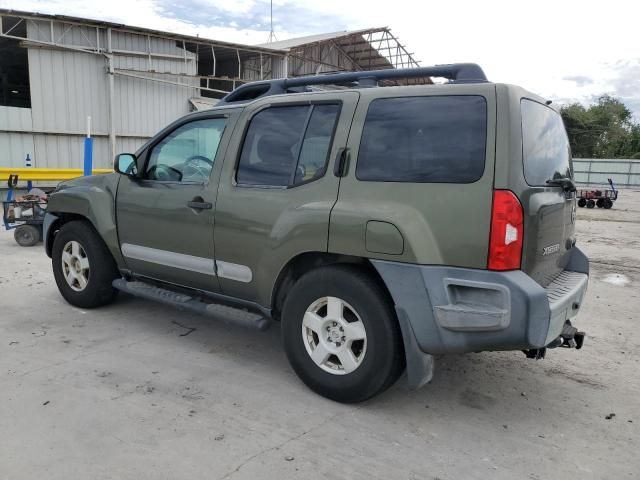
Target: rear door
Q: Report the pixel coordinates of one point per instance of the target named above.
(278, 187)
(549, 210)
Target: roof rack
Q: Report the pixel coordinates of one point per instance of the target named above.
(455, 72)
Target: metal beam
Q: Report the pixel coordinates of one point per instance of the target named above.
(168, 82)
(112, 93)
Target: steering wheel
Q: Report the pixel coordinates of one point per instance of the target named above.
(191, 167)
(301, 172)
(165, 173)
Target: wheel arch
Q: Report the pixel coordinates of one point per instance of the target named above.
(91, 199)
(305, 262)
(53, 226)
(419, 364)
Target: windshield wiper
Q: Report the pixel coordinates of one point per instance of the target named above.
(565, 182)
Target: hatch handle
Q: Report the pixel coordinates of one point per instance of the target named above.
(565, 182)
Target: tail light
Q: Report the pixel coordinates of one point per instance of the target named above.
(507, 230)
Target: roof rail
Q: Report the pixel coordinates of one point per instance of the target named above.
(456, 72)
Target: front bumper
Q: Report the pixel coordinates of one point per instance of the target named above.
(49, 220)
(457, 310)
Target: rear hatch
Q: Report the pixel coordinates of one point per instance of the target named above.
(548, 202)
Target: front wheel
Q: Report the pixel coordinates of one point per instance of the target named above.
(83, 266)
(341, 335)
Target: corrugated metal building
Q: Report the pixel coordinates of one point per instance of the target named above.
(55, 71)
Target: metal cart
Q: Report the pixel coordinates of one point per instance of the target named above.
(598, 198)
(23, 216)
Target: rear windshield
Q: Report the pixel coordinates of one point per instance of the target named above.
(424, 139)
(545, 146)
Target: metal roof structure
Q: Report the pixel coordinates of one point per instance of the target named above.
(369, 49)
(70, 20)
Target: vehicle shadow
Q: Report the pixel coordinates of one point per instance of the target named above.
(502, 387)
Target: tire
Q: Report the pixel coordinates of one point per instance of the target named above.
(378, 357)
(591, 204)
(600, 202)
(27, 235)
(608, 203)
(87, 263)
(582, 202)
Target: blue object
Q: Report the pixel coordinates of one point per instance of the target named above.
(88, 156)
(27, 163)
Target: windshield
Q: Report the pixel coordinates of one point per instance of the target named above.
(545, 147)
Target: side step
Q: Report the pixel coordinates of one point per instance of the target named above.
(181, 301)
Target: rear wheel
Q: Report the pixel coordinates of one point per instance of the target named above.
(341, 334)
(27, 235)
(591, 204)
(582, 202)
(83, 266)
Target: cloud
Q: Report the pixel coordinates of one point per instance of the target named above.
(287, 16)
(579, 80)
(627, 83)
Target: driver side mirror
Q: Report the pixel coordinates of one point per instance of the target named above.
(125, 164)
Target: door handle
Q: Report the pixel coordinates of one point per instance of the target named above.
(200, 205)
(340, 165)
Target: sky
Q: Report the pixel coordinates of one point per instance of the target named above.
(564, 50)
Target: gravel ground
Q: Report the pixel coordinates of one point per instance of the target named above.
(131, 391)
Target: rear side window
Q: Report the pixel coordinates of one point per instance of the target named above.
(287, 146)
(438, 139)
(545, 147)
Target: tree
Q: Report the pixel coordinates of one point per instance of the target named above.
(602, 130)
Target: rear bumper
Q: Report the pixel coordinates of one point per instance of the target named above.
(457, 310)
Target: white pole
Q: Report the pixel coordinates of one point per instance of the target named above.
(88, 126)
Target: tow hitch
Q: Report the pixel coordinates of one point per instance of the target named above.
(569, 338)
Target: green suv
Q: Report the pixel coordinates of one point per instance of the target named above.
(381, 225)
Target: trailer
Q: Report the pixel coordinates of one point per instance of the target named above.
(24, 214)
(598, 198)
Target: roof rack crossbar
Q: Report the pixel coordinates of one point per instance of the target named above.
(456, 72)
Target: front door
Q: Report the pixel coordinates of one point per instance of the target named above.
(165, 218)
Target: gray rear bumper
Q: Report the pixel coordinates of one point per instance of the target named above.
(457, 310)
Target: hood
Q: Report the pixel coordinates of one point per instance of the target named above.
(102, 181)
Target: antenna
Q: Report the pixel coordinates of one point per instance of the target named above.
(272, 34)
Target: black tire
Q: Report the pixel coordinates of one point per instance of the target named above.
(102, 267)
(608, 203)
(582, 202)
(600, 203)
(591, 204)
(383, 361)
(27, 235)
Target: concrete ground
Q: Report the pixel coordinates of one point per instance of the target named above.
(137, 390)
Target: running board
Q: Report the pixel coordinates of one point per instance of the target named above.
(181, 301)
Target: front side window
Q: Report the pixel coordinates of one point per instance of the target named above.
(424, 139)
(546, 153)
(287, 146)
(187, 153)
